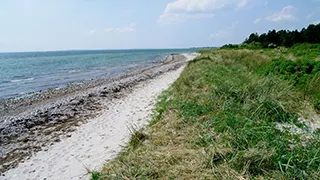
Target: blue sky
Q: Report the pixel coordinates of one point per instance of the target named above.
(38, 25)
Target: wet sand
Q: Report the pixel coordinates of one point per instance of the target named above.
(60, 134)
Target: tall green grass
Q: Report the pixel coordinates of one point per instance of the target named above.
(300, 65)
(243, 107)
(306, 51)
(219, 121)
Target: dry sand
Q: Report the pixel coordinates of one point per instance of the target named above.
(98, 140)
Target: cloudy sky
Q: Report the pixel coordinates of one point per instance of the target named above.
(38, 25)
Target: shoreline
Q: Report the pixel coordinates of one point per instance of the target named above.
(59, 117)
(8, 105)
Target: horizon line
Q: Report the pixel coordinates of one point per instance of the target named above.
(69, 50)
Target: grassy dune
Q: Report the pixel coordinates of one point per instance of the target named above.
(233, 114)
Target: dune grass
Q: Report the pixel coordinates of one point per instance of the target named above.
(220, 120)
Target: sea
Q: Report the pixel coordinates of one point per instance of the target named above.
(26, 73)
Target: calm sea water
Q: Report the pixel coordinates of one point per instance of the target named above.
(22, 74)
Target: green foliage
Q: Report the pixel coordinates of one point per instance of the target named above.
(230, 46)
(160, 108)
(287, 38)
(304, 74)
(306, 51)
(300, 72)
(95, 175)
(245, 108)
(251, 45)
(137, 137)
(219, 121)
(313, 90)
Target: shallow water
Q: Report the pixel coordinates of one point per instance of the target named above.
(25, 73)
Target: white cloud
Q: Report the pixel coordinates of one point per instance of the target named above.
(182, 17)
(183, 10)
(286, 14)
(129, 28)
(193, 6)
(109, 29)
(224, 33)
(243, 3)
(257, 20)
(92, 31)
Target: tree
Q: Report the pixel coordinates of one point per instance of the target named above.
(254, 37)
(286, 38)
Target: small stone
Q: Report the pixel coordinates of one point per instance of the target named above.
(32, 171)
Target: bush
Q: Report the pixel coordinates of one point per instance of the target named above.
(300, 72)
(304, 74)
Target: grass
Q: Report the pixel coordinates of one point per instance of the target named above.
(220, 120)
(95, 175)
(137, 137)
(300, 65)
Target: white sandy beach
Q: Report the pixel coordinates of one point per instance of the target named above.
(99, 140)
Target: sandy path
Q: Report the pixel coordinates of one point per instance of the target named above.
(98, 140)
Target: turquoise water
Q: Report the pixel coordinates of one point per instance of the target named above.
(26, 73)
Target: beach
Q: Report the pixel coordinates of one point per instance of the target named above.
(65, 133)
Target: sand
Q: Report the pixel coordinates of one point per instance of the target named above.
(93, 143)
(30, 124)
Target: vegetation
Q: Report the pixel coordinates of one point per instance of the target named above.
(286, 38)
(95, 175)
(303, 74)
(301, 66)
(232, 114)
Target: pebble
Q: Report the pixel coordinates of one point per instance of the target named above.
(43, 113)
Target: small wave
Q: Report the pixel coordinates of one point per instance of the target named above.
(73, 71)
(19, 80)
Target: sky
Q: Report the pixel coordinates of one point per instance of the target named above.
(49, 25)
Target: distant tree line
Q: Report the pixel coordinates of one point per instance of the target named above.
(285, 38)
